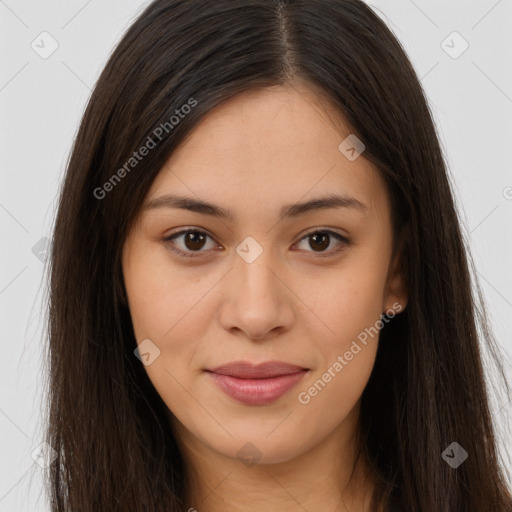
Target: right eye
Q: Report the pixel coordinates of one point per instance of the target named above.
(193, 242)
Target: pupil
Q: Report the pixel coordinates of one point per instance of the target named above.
(316, 236)
(190, 239)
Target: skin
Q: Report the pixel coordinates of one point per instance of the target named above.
(253, 154)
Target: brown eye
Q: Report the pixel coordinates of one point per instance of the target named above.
(320, 241)
(193, 241)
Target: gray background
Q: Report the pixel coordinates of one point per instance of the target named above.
(41, 102)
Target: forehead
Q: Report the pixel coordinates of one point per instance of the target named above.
(267, 147)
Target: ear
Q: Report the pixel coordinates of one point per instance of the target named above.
(396, 292)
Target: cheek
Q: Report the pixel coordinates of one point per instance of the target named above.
(161, 298)
(349, 306)
(346, 304)
(329, 394)
(160, 315)
(173, 324)
(170, 307)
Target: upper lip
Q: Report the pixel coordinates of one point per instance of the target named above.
(246, 370)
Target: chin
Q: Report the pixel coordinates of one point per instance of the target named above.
(254, 447)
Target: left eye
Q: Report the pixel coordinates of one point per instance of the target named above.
(194, 241)
(319, 238)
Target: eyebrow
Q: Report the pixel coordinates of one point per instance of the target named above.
(287, 211)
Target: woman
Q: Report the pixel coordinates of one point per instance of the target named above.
(260, 295)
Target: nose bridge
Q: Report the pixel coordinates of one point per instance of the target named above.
(253, 272)
(257, 301)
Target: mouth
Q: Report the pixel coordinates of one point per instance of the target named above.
(259, 384)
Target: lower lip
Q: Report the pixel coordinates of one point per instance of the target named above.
(257, 391)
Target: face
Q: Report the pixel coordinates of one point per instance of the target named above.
(260, 279)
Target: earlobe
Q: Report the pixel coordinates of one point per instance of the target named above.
(396, 293)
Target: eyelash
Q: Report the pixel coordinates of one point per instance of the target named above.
(194, 254)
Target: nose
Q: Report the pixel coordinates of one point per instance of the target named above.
(257, 299)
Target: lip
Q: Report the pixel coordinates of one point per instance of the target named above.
(257, 384)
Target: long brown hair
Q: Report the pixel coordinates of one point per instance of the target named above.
(106, 423)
